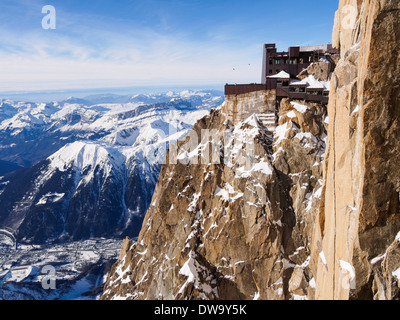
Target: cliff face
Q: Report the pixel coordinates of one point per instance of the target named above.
(238, 225)
(355, 252)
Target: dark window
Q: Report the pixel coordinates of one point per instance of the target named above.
(270, 61)
(316, 93)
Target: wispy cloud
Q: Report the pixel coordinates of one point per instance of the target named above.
(44, 60)
(151, 44)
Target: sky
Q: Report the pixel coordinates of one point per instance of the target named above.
(128, 43)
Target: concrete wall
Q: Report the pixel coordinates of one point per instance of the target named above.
(241, 106)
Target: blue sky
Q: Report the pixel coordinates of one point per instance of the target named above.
(125, 43)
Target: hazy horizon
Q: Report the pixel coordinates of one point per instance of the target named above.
(44, 96)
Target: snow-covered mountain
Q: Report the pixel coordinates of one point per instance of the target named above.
(90, 169)
(30, 132)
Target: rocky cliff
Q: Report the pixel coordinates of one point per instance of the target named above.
(306, 209)
(360, 216)
(232, 213)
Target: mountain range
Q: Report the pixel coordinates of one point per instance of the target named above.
(84, 168)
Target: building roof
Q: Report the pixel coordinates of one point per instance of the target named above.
(298, 83)
(311, 83)
(280, 75)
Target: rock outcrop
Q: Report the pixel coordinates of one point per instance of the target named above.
(230, 227)
(321, 70)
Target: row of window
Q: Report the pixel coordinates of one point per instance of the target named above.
(289, 61)
(303, 90)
